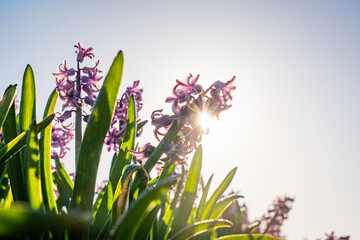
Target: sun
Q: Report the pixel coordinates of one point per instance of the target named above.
(205, 121)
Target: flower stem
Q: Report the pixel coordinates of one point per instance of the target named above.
(78, 127)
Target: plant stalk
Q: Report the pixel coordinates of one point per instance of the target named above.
(78, 116)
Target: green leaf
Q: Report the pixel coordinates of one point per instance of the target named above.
(6, 102)
(217, 194)
(32, 177)
(248, 237)
(65, 178)
(222, 205)
(98, 200)
(171, 210)
(159, 150)
(202, 203)
(155, 156)
(45, 158)
(189, 194)
(122, 159)
(200, 227)
(15, 145)
(21, 220)
(121, 196)
(141, 124)
(126, 226)
(143, 232)
(27, 105)
(63, 199)
(15, 165)
(97, 127)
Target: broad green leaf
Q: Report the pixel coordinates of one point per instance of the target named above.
(95, 132)
(217, 194)
(27, 105)
(247, 237)
(15, 165)
(45, 158)
(200, 227)
(202, 203)
(15, 145)
(65, 178)
(222, 205)
(126, 226)
(121, 195)
(32, 171)
(171, 210)
(123, 158)
(189, 194)
(6, 102)
(25, 221)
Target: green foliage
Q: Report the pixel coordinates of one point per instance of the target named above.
(131, 206)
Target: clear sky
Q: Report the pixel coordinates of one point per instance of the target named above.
(294, 125)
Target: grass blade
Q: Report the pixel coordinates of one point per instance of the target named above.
(217, 194)
(189, 194)
(200, 227)
(45, 158)
(6, 102)
(32, 176)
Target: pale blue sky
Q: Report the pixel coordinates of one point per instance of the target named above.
(294, 124)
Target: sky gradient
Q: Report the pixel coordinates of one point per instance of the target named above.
(294, 124)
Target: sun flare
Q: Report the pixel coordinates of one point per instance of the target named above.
(205, 121)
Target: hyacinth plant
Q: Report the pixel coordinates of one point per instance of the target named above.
(39, 199)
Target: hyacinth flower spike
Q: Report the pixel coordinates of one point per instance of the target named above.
(189, 103)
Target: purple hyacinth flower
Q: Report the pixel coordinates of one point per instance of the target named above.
(221, 92)
(82, 53)
(160, 121)
(113, 138)
(61, 136)
(183, 91)
(143, 153)
(66, 114)
(63, 73)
